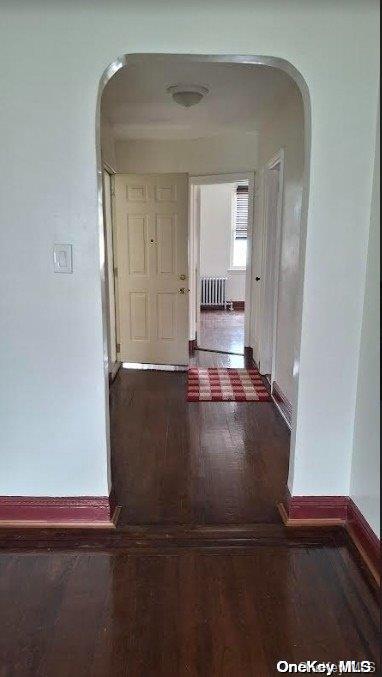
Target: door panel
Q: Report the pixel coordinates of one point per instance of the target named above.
(137, 244)
(166, 315)
(166, 227)
(139, 316)
(152, 241)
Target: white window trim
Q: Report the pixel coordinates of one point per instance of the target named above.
(232, 268)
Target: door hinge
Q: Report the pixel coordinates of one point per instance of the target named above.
(115, 271)
(118, 347)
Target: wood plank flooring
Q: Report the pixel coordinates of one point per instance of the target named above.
(222, 330)
(190, 612)
(179, 462)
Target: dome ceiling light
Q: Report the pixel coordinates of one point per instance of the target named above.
(187, 95)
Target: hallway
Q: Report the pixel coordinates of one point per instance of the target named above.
(179, 462)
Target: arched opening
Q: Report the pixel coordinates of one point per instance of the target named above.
(271, 162)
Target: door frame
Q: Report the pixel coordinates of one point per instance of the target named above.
(269, 316)
(194, 247)
(115, 365)
(129, 59)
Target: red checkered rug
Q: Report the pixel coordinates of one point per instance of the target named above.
(219, 384)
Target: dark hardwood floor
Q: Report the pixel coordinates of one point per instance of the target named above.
(200, 578)
(190, 611)
(222, 330)
(179, 462)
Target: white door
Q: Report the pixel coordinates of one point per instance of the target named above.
(151, 218)
(271, 268)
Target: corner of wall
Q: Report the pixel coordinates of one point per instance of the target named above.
(365, 462)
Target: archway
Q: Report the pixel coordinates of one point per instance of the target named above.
(272, 63)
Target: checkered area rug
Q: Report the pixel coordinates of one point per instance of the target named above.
(219, 384)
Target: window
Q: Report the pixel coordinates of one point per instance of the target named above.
(239, 227)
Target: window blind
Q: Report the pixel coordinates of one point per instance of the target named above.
(241, 225)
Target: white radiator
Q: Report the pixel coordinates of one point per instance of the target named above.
(214, 291)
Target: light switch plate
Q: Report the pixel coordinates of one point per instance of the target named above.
(63, 258)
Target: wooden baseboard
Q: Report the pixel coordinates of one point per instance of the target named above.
(316, 508)
(248, 356)
(364, 539)
(99, 512)
(206, 309)
(192, 346)
(309, 521)
(282, 403)
(325, 511)
(114, 371)
(250, 362)
(236, 305)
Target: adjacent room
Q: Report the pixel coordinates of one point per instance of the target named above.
(223, 263)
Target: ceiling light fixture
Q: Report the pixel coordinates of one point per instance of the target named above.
(187, 95)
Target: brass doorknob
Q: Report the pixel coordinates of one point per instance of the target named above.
(183, 290)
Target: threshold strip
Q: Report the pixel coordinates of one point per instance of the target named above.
(154, 367)
(221, 352)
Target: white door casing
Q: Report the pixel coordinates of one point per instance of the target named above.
(273, 194)
(151, 214)
(195, 183)
(266, 347)
(109, 258)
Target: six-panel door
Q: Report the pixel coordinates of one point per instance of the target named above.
(151, 217)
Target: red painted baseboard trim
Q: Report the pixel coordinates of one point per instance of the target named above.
(366, 541)
(90, 511)
(300, 511)
(318, 507)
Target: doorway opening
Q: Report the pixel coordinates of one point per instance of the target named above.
(186, 180)
(221, 225)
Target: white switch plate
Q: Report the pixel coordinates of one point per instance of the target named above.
(63, 258)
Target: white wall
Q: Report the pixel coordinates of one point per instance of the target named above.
(108, 144)
(215, 237)
(284, 129)
(53, 394)
(365, 470)
(236, 285)
(218, 154)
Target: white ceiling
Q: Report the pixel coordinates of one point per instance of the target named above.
(137, 105)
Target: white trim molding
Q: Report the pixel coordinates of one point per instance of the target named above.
(270, 270)
(194, 246)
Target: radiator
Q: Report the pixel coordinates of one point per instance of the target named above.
(214, 291)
